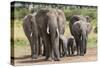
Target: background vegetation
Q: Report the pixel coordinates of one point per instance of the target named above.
(20, 9)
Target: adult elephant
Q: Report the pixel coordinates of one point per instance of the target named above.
(48, 30)
(31, 32)
(85, 23)
(61, 20)
(79, 29)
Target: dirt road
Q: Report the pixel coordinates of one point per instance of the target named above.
(22, 57)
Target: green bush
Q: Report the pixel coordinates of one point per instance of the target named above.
(20, 13)
(70, 12)
(20, 42)
(91, 12)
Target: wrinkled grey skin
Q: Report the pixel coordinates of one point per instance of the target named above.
(48, 30)
(75, 18)
(79, 29)
(52, 30)
(69, 45)
(61, 19)
(31, 32)
(85, 20)
(61, 26)
(41, 20)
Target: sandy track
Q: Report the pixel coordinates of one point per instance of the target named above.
(22, 57)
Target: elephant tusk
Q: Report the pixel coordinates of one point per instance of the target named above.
(31, 34)
(57, 31)
(48, 30)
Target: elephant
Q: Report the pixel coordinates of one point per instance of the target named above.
(41, 19)
(85, 20)
(31, 32)
(69, 45)
(79, 30)
(61, 20)
(48, 29)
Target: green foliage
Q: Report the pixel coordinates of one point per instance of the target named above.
(20, 42)
(92, 41)
(91, 12)
(20, 13)
(94, 23)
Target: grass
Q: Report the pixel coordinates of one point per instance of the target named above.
(20, 39)
(92, 39)
(19, 36)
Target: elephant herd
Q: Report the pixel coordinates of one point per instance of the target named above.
(45, 31)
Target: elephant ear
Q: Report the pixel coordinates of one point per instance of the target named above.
(89, 28)
(88, 19)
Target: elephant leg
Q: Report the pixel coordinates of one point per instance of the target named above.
(61, 49)
(56, 53)
(31, 46)
(37, 47)
(40, 46)
(44, 49)
(68, 50)
(34, 45)
(78, 48)
(81, 50)
(72, 50)
(47, 47)
(55, 48)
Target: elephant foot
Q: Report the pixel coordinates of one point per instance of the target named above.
(81, 54)
(56, 59)
(72, 55)
(78, 54)
(84, 52)
(47, 58)
(61, 56)
(34, 57)
(43, 54)
(68, 55)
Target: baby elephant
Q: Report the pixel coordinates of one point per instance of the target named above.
(69, 45)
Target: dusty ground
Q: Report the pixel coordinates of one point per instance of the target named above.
(22, 57)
